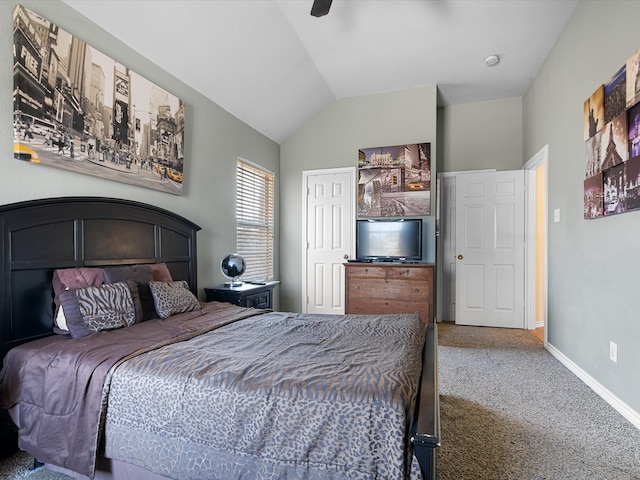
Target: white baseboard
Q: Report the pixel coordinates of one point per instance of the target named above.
(622, 408)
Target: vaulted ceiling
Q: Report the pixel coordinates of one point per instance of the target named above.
(274, 66)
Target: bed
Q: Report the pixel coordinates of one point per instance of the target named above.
(209, 391)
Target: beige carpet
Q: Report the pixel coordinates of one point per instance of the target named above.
(509, 410)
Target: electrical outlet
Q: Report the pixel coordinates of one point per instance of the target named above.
(613, 352)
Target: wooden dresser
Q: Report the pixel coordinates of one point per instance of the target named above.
(390, 288)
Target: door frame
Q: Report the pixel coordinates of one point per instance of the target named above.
(538, 159)
(439, 240)
(305, 205)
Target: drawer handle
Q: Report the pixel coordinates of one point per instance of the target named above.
(416, 290)
(357, 287)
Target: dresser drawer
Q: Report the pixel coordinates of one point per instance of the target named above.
(391, 271)
(366, 271)
(410, 273)
(382, 306)
(395, 290)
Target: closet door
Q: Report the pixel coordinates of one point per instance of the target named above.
(329, 238)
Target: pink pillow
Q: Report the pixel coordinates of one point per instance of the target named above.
(160, 272)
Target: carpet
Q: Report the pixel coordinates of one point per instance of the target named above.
(510, 410)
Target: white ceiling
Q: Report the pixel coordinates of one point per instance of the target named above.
(274, 66)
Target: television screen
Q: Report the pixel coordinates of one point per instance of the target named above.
(389, 239)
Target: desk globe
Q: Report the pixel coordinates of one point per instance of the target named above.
(232, 267)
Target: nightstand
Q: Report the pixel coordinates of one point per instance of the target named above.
(245, 295)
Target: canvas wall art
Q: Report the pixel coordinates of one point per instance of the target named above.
(78, 109)
(394, 181)
(612, 144)
(594, 113)
(593, 197)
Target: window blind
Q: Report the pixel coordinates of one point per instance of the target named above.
(255, 219)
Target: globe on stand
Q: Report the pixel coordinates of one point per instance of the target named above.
(232, 267)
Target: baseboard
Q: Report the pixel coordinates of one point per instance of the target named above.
(621, 407)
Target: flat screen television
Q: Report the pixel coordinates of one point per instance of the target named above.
(389, 240)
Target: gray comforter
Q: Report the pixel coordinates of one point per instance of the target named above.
(279, 395)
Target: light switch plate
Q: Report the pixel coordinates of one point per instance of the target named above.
(613, 352)
(556, 215)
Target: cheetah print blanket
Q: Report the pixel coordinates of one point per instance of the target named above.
(275, 396)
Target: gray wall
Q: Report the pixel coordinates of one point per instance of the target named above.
(213, 141)
(593, 264)
(478, 136)
(332, 139)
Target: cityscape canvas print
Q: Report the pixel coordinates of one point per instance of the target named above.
(78, 109)
(612, 144)
(394, 181)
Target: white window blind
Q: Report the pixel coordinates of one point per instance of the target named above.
(255, 219)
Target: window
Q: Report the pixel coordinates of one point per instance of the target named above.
(255, 219)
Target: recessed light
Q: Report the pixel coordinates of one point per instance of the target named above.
(492, 60)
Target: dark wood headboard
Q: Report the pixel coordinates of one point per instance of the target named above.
(39, 236)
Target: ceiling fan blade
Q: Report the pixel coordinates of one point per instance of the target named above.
(320, 7)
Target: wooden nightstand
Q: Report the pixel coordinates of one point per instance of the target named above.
(245, 295)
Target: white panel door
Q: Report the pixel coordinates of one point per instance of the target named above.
(330, 225)
(490, 249)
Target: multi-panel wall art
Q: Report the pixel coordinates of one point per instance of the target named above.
(77, 109)
(612, 140)
(394, 181)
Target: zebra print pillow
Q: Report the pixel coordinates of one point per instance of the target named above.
(103, 307)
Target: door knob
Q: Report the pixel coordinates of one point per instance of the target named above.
(346, 256)
(460, 257)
